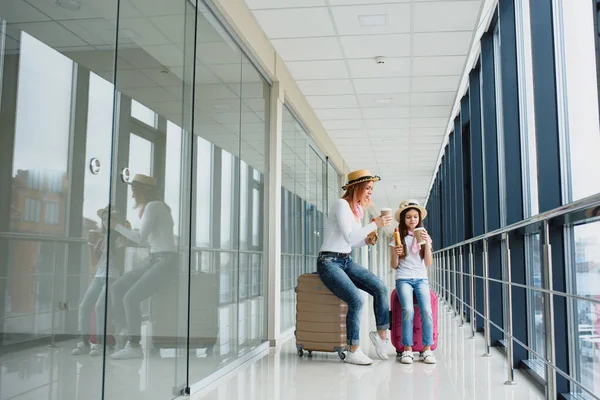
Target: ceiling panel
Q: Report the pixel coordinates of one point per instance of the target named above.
(396, 123)
(432, 99)
(382, 85)
(347, 101)
(435, 83)
(387, 112)
(396, 17)
(368, 68)
(308, 49)
(338, 113)
(432, 66)
(445, 17)
(371, 46)
(295, 23)
(326, 87)
(389, 100)
(329, 69)
(259, 4)
(17, 11)
(442, 44)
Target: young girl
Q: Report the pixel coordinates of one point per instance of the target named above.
(410, 260)
(96, 292)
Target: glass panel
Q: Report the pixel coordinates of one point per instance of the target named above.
(537, 342)
(56, 117)
(140, 162)
(253, 149)
(582, 119)
(527, 108)
(149, 254)
(143, 113)
(587, 319)
(214, 319)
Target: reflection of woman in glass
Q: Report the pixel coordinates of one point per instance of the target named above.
(128, 292)
(96, 292)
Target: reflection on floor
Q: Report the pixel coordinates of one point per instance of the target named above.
(52, 373)
(461, 373)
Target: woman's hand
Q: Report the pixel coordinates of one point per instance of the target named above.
(93, 237)
(399, 250)
(372, 238)
(382, 221)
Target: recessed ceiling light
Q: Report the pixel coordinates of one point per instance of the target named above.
(71, 5)
(384, 100)
(222, 106)
(372, 20)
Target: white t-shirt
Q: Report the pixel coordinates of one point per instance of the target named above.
(342, 231)
(156, 228)
(412, 266)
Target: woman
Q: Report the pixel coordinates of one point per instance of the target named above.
(128, 292)
(343, 276)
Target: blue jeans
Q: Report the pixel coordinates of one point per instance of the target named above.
(344, 278)
(405, 289)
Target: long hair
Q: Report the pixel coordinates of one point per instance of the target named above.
(403, 229)
(353, 194)
(145, 194)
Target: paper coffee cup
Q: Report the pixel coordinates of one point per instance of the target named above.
(418, 238)
(386, 211)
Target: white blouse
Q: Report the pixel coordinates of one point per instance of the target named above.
(342, 231)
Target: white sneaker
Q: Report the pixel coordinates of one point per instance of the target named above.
(81, 348)
(380, 345)
(357, 358)
(128, 353)
(428, 357)
(97, 350)
(406, 357)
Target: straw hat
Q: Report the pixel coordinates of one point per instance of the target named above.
(407, 204)
(104, 210)
(362, 175)
(143, 180)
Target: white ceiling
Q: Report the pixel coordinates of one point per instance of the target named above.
(389, 118)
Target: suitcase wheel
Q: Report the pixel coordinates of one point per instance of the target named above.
(342, 355)
(300, 352)
(398, 354)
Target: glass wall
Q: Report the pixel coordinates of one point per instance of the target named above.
(133, 153)
(533, 92)
(303, 211)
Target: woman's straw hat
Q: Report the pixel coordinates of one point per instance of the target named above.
(362, 175)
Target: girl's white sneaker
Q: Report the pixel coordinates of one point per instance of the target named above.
(428, 357)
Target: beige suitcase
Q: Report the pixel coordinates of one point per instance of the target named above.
(203, 318)
(320, 318)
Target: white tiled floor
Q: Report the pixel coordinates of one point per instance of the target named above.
(461, 373)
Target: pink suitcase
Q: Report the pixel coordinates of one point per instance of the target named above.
(396, 323)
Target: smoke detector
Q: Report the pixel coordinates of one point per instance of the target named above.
(380, 60)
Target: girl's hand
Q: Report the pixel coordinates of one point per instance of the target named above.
(425, 236)
(382, 221)
(399, 251)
